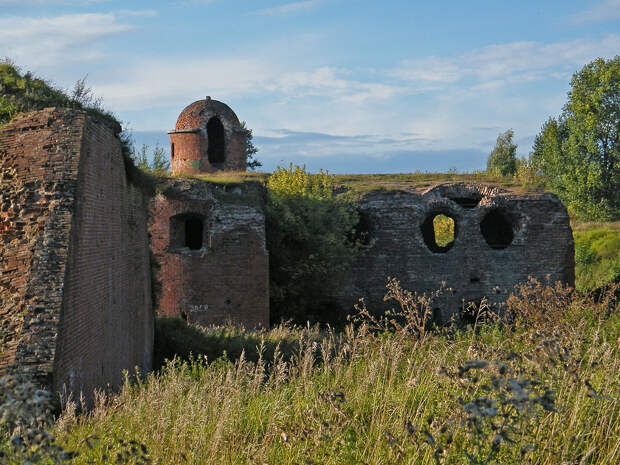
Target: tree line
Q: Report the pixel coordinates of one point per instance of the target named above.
(577, 154)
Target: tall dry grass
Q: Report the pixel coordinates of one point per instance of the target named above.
(543, 390)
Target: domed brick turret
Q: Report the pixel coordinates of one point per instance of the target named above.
(208, 137)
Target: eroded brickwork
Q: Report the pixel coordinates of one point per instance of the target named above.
(221, 272)
(75, 280)
(529, 235)
(38, 180)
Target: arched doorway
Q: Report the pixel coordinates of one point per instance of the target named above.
(217, 144)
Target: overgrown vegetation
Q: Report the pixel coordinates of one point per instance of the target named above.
(20, 93)
(444, 230)
(157, 163)
(579, 152)
(597, 255)
(250, 149)
(174, 337)
(542, 390)
(309, 241)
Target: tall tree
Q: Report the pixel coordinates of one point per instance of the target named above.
(580, 153)
(503, 158)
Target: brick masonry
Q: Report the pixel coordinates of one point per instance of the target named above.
(76, 299)
(227, 278)
(541, 245)
(75, 282)
(189, 141)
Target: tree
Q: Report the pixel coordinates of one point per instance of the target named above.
(503, 158)
(250, 148)
(579, 153)
(140, 158)
(159, 164)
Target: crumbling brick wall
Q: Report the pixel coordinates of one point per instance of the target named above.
(224, 275)
(479, 263)
(76, 300)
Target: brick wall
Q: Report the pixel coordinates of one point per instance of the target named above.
(227, 277)
(75, 262)
(542, 246)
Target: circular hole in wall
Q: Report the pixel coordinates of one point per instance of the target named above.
(497, 229)
(439, 232)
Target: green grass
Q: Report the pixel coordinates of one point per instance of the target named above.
(176, 338)
(21, 93)
(381, 395)
(597, 254)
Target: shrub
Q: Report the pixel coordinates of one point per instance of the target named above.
(311, 244)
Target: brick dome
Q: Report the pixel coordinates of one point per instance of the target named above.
(208, 137)
(193, 116)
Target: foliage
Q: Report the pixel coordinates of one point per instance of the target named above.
(444, 230)
(250, 148)
(21, 93)
(597, 257)
(579, 153)
(496, 394)
(158, 163)
(503, 158)
(309, 236)
(26, 416)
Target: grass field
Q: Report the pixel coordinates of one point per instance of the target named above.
(544, 389)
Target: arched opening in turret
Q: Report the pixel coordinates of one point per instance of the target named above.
(217, 144)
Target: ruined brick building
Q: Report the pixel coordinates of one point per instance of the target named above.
(501, 238)
(81, 243)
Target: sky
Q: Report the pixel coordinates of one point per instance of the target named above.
(350, 86)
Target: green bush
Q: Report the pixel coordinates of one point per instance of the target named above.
(311, 244)
(597, 258)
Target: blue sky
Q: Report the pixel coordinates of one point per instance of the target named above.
(345, 85)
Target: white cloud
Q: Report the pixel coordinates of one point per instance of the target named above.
(495, 65)
(66, 38)
(431, 69)
(288, 8)
(608, 10)
(226, 78)
(135, 13)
